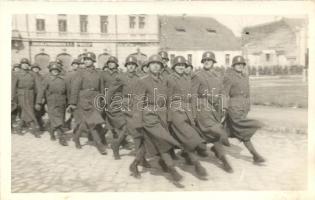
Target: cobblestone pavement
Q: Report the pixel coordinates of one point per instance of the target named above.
(40, 165)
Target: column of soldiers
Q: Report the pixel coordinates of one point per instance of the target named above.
(163, 109)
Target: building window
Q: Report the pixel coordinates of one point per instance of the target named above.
(210, 30)
(62, 23)
(104, 24)
(189, 58)
(132, 22)
(227, 59)
(267, 57)
(180, 29)
(40, 24)
(141, 22)
(83, 23)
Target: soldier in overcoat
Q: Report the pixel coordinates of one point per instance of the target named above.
(54, 90)
(86, 89)
(70, 75)
(39, 113)
(150, 115)
(24, 86)
(166, 70)
(180, 118)
(15, 111)
(236, 86)
(208, 104)
(115, 119)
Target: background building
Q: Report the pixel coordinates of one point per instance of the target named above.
(191, 36)
(47, 37)
(281, 43)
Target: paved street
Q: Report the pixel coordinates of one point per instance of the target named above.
(39, 165)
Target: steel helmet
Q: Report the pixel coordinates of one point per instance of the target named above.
(238, 60)
(90, 55)
(25, 61)
(35, 65)
(54, 65)
(75, 61)
(179, 60)
(208, 55)
(112, 59)
(164, 55)
(131, 59)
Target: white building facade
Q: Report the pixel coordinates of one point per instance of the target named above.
(44, 38)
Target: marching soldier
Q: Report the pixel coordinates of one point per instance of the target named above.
(70, 75)
(180, 115)
(115, 119)
(208, 103)
(236, 85)
(86, 86)
(39, 113)
(131, 79)
(15, 111)
(24, 86)
(166, 71)
(54, 90)
(150, 116)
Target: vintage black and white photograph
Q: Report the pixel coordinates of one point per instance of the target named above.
(143, 102)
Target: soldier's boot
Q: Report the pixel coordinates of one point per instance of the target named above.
(90, 140)
(19, 127)
(173, 154)
(202, 150)
(99, 145)
(115, 148)
(256, 156)
(174, 174)
(188, 160)
(163, 165)
(218, 152)
(200, 170)
(52, 134)
(62, 138)
(133, 168)
(76, 138)
(35, 130)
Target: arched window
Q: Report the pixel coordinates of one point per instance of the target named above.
(42, 59)
(66, 60)
(102, 59)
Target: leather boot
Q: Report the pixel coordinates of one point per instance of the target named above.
(256, 156)
(163, 166)
(144, 163)
(115, 148)
(226, 165)
(200, 170)
(62, 138)
(99, 145)
(52, 134)
(174, 174)
(76, 139)
(188, 161)
(35, 130)
(133, 168)
(202, 152)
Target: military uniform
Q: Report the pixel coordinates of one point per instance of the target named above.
(208, 104)
(54, 90)
(87, 85)
(39, 113)
(24, 86)
(15, 110)
(150, 113)
(180, 116)
(236, 86)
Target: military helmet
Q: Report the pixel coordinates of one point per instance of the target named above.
(155, 58)
(25, 61)
(179, 60)
(90, 55)
(112, 59)
(35, 65)
(238, 60)
(131, 59)
(75, 61)
(164, 55)
(54, 65)
(208, 55)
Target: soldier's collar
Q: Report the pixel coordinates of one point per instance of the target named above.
(238, 74)
(91, 68)
(157, 77)
(112, 71)
(178, 76)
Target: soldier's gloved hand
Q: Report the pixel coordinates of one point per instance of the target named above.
(37, 107)
(71, 107)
